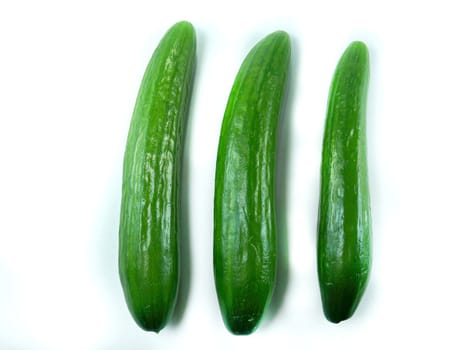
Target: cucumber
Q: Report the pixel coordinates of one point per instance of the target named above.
(149, 218)
(344, 223)
(244, 201)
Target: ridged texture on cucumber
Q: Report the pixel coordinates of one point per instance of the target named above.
(344, 228)
(149, 219)
(244, 204)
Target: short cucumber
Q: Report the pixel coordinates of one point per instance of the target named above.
(149, 218)
(244, 205)
(344, 228)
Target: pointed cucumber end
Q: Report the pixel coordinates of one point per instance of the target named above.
(184, 25)
(279, 35)
(356, 52)
(242, 327)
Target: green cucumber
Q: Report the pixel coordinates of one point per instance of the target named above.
(149, 218)
(344, 223)
(244, 205)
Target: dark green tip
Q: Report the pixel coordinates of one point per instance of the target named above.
(184, 25)
(356, 53)
(278, 36)
(242, 325)
(340, 302)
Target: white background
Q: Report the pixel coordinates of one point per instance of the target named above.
(69, 75)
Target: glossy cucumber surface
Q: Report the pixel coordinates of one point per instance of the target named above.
(149, 218)
(344, 223)
(244, 204)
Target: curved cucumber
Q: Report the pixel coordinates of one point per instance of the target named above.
(344, 212)
(149, 218)
(244, 208)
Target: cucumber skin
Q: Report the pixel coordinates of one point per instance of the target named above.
(344, 224)
(244, 204)
(149, 219)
